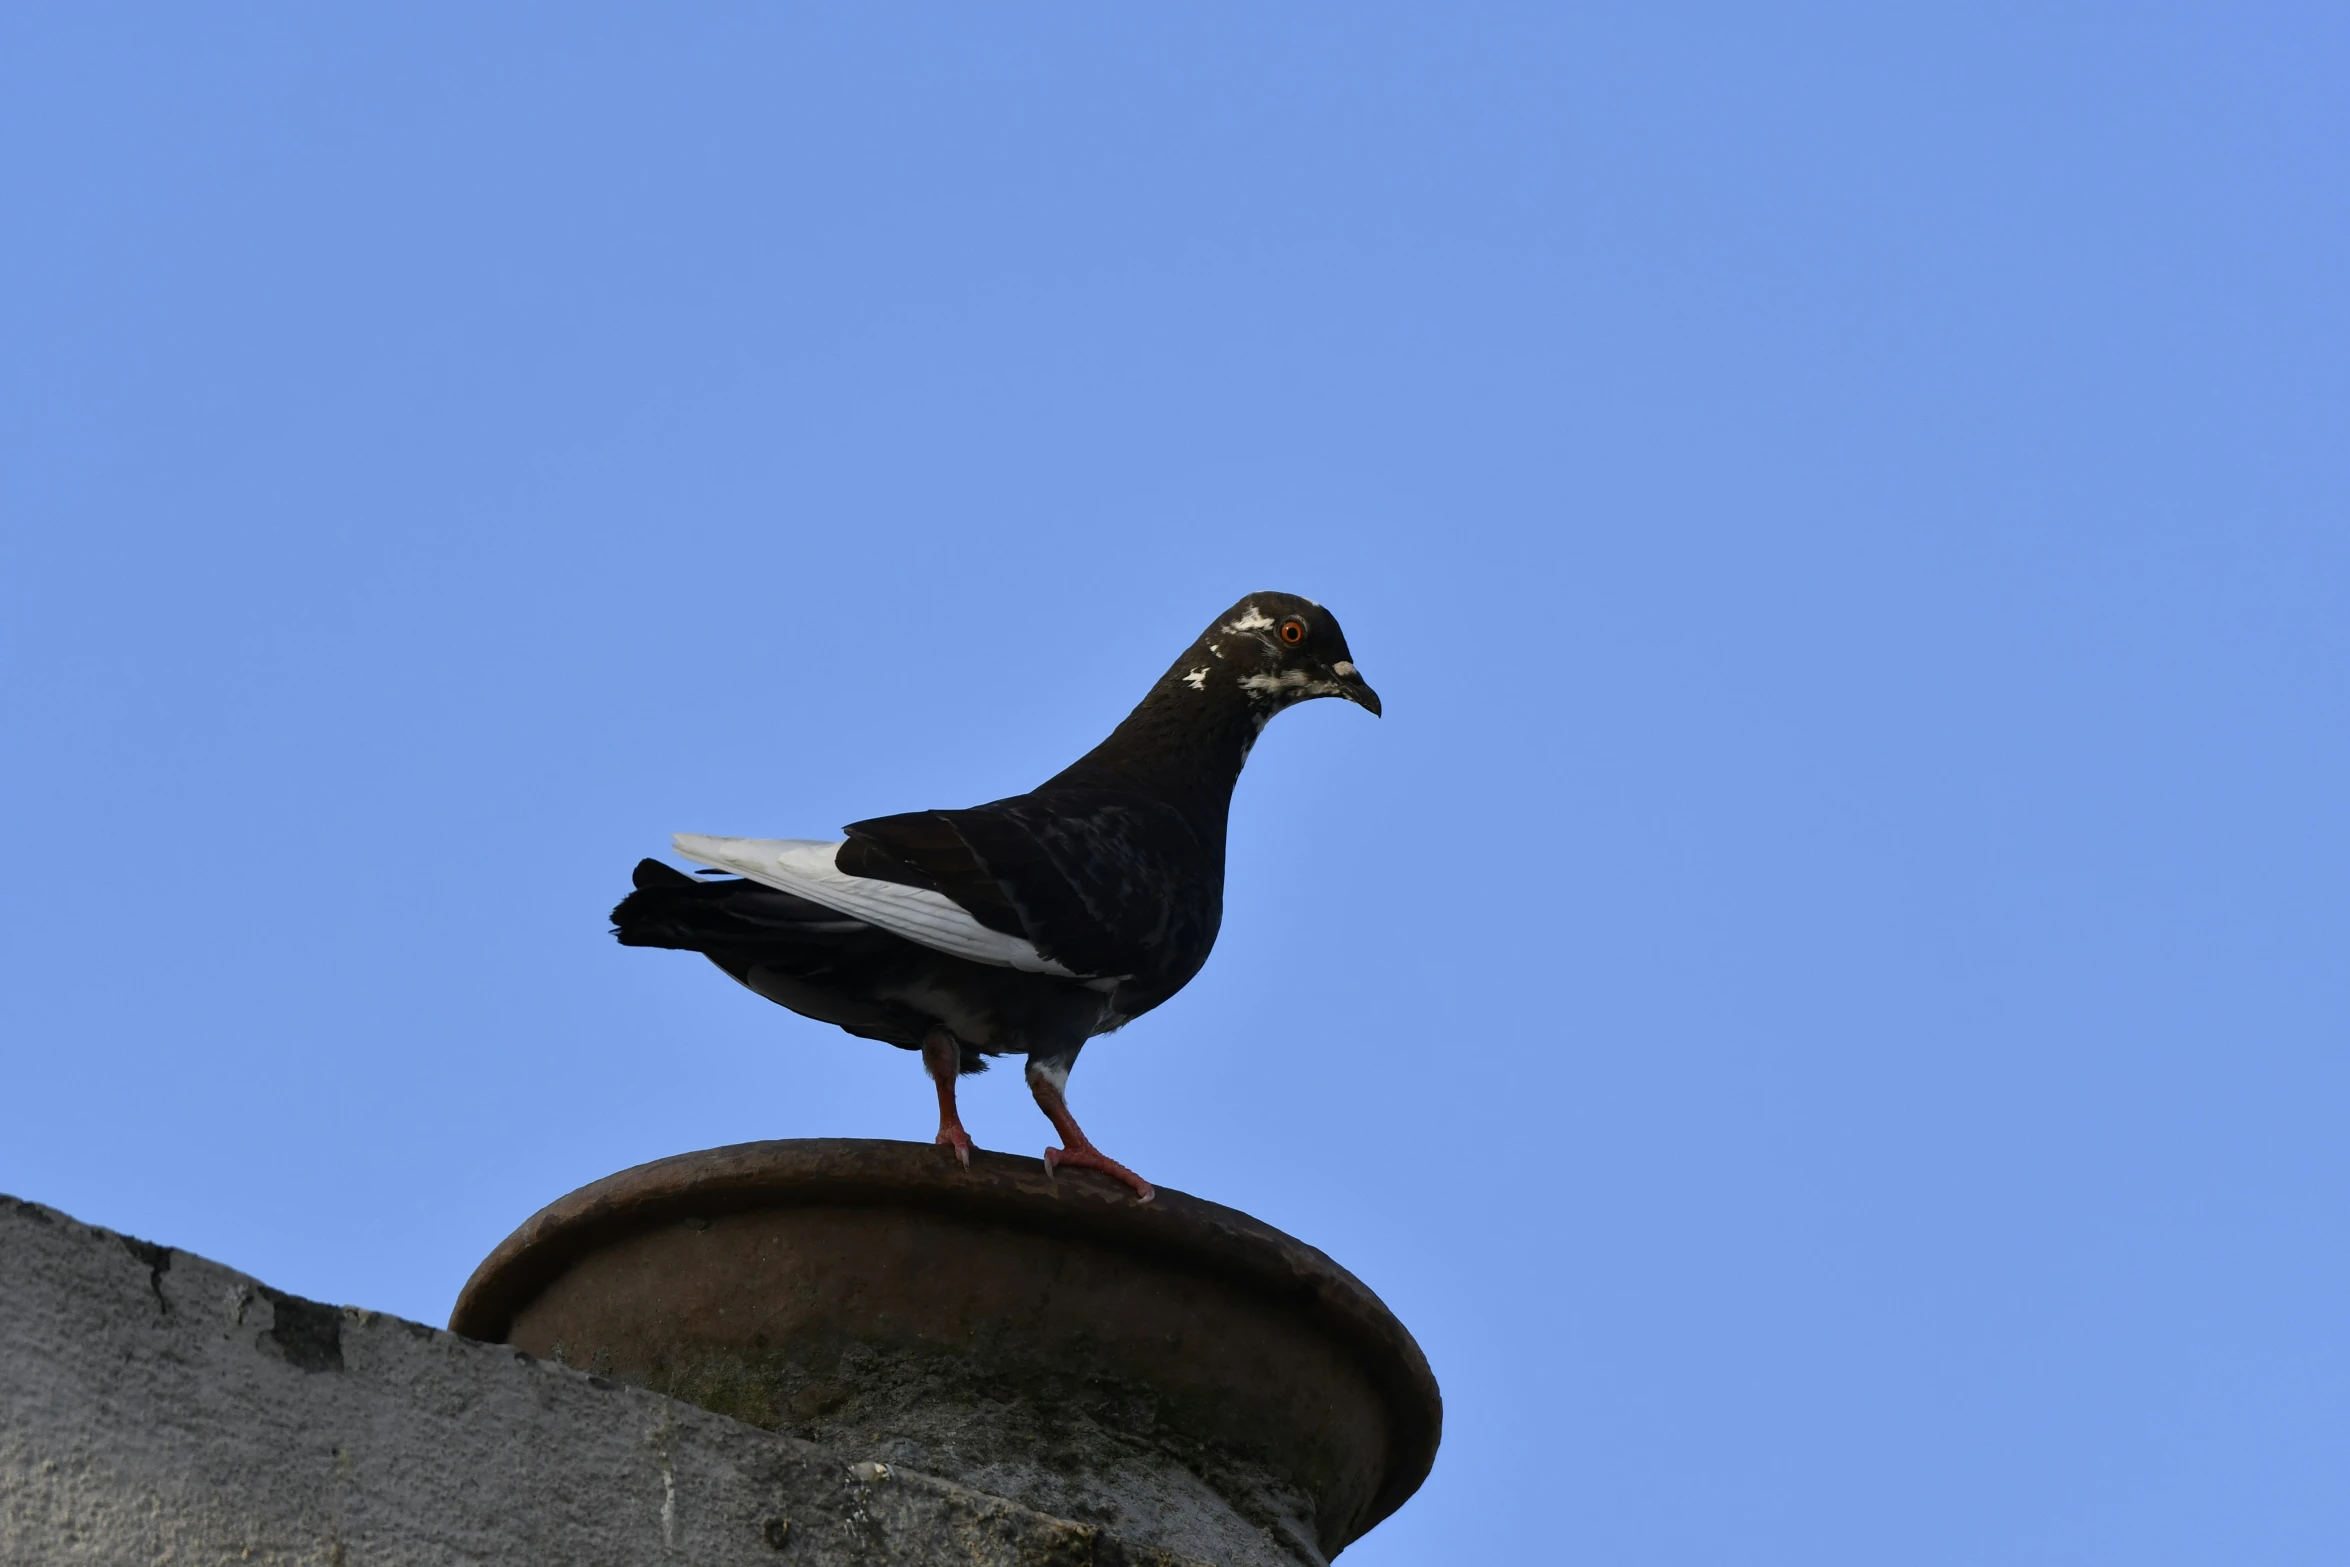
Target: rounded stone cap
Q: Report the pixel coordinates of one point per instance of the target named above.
(741, 1277)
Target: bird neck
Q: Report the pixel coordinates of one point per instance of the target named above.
(1181, 745)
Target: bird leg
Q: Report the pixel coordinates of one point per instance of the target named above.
(1048, 1079)
(942, 1058)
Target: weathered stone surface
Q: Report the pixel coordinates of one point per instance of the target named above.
(157, 1407)
(1177, 1372)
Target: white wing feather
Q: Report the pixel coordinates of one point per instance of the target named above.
(804, 867)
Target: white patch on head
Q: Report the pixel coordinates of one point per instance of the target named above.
(1250, 619)
(1345, 666)
(1197, 679)
(1275, 692)
(1290, 685)
(1274, 684)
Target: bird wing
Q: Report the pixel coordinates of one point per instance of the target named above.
(805, 867)
(1106, 883)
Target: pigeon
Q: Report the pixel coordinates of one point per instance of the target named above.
(1025, 926)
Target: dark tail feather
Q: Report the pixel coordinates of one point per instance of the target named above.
(671, 909)
(663, 911)
(650, 874)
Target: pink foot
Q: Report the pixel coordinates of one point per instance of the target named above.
(1085, 1157)
(941, 1056)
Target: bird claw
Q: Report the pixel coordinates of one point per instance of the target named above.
(957, 1139)
(1095, 1159)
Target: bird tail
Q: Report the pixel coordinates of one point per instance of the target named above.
(671, 909)
(667, 909)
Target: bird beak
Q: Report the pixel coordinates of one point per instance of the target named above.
(1354, 688)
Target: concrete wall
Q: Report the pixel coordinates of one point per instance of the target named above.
(157, 1407)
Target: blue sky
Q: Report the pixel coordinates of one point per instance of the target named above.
(1823, 1002)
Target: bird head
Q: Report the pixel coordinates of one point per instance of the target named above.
(1278, 650)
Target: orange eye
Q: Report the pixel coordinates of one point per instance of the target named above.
(1293, 632)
